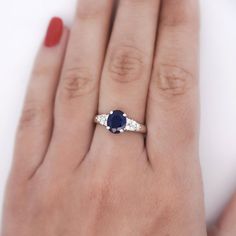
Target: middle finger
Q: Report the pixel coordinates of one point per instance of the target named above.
(76, 100)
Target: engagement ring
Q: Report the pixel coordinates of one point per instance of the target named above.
(117, 122)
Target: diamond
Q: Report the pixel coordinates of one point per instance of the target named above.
(132, 125)
(102, 119)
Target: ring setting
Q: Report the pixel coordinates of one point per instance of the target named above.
(118, 122)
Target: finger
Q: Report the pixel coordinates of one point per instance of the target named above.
(127, 69)
(226, 225)
(173, 98)
(172, 139)
(76, 102)
(36, 122)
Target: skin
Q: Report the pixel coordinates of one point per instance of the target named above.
(71, 177)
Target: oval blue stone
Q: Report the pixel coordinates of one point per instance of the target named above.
(116, 121)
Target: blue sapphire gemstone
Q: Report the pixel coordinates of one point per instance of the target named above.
(116, 121)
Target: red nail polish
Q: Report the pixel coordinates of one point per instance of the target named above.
(54, 32)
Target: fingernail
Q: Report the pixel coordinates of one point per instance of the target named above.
(54, 32)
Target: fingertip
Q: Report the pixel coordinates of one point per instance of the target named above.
(54, 32)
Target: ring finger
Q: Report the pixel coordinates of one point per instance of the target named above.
(127, 67)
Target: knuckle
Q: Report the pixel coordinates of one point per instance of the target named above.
(42, 195)
(41, 207)
(43, 70)
(99, 191)
(172, 81)
(90, 10)
(175, 21)
(77, 82)
(32, 115)
(169, 208)
(136, 2)
(126, 64)
(99, 194)
(183, 15)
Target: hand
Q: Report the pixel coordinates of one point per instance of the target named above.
(70, 177)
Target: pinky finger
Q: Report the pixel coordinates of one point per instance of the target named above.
(35, 126)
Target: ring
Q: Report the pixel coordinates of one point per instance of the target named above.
(117, 122)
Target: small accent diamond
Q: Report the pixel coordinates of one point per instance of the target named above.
(102, 119)
(132, 125)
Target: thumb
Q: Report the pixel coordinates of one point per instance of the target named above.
(226, 224)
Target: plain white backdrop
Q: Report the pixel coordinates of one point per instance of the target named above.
(22, 27)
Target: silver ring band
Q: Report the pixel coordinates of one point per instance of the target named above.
(118, 122)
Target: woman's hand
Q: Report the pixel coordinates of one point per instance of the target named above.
(71, 178)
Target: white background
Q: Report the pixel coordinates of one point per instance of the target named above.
(22, 27)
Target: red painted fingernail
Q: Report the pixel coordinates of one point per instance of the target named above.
(54, 32)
